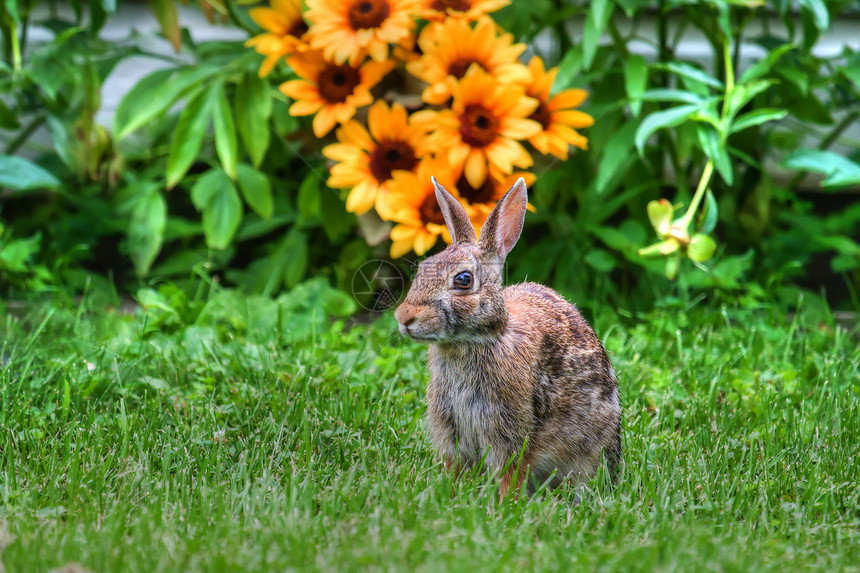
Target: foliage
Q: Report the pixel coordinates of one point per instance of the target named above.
(204, 165)
(218, 443)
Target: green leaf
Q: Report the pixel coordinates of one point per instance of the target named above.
(701, 248)
(569, 69)
(635, 81)
(839, 171)
(716, 150)
(256, 190)
(678, 96)
(20, 174)
(253, 109)
(661, 120)
(617, 159)
(598, 16)
(757, 117)
(672, 266)
(146, 230)
(225, 130)
(764, 65)
(153, 96)
(820, 15)
(215, 195)
(309, 196)
(336, 221)
(708, 218)
(166, 13)
(691, 73)
(188, 137)
(851, 69)
(743, 94)
(17, 255)
(296, 244)
(8, 120)
(601, 260)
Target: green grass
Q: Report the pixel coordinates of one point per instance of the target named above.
(204, 442)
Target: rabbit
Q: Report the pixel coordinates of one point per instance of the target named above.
(513, 370)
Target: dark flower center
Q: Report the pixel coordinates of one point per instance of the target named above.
(478, 127)
(483, 194)
(456, 5)
(542, 115)
(390, 156)
(430, 211)
(459, 68)
(298, 29)
(336, 83)
(368, 13)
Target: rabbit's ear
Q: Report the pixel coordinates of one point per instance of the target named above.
(505, 223)
(459, 226)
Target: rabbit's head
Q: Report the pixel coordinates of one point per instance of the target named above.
(456, 295)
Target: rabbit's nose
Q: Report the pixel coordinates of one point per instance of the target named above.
(404, 316)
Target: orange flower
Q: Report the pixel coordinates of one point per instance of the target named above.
(285, 30)
(349, 29)
(450, 48)
(480, 131)
(367, 160)
(333, 92)
(469, 10)
(558, 120)
(412, 205)
(479, 201)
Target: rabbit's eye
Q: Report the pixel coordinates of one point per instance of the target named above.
(463, 280)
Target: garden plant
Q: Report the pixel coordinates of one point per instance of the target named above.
(200, 368)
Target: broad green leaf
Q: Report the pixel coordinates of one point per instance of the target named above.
(743, 94)
(599, 14)
(225, 130)
(716, 150)
(764, 65)
(309, 196)
(692, 73)
(336, 221)
(146, 230)
(660, 214)
(661, 120)
(296, 246)
(757, 117)
(256, 190)
(253, 109)
(215, 195)
(701, 248)
(635, 81)
(617, 159)
(568, 69)
(20, 174)
(154, 95)
(17, 255)
(188, 137)
(851, 69)
(839, 171)
(8, 120)
(820, 15)
(601, 260)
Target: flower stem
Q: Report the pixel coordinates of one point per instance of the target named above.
(16, 47)
(700, 193)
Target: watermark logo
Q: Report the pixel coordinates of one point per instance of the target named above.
(378, 285)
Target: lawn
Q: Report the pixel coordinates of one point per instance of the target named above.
(222, 439)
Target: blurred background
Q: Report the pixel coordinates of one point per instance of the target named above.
(151, 149)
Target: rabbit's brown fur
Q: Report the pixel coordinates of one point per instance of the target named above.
(509, 366)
